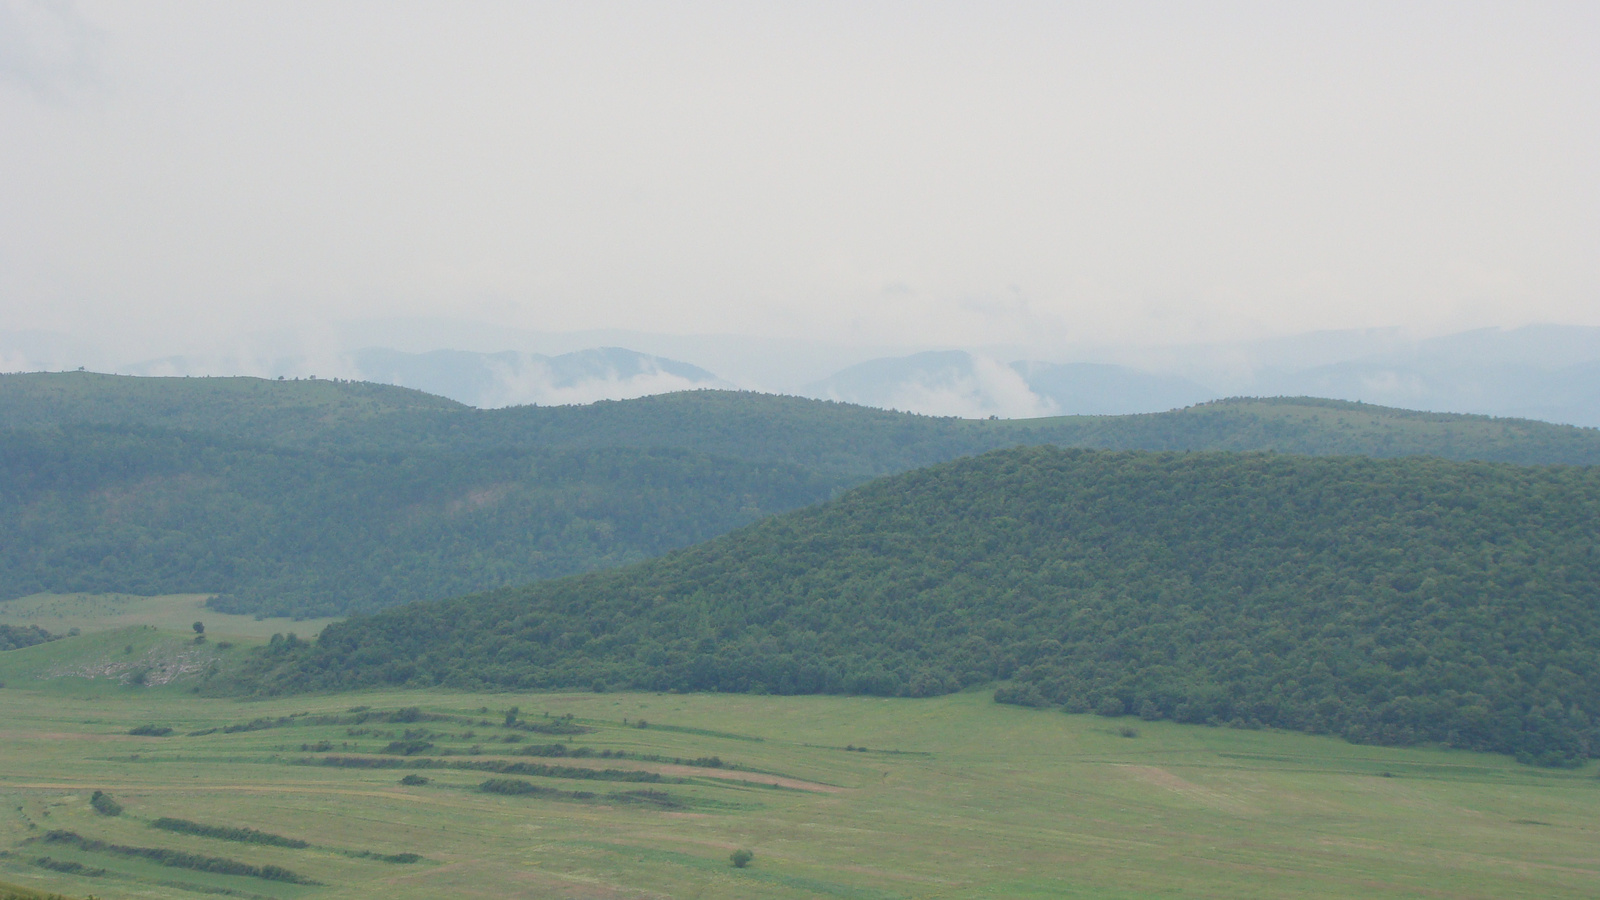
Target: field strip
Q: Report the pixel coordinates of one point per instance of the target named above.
(759, 779)
(309, 787)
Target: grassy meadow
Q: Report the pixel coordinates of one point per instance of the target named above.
(176, 613)
(947, 797)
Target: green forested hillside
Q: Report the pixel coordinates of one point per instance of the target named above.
(295, 532)
(313, 498)
(1384, 600)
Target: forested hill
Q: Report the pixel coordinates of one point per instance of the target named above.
(284, 531)
(285, 412)
(852, 441)
(1384, 600)
(321, 497)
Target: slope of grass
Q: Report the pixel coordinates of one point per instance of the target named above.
(950, 797)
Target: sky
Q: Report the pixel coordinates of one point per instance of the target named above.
(918, 174)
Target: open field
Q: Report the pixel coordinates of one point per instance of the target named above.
(954, 797)
(59, 613)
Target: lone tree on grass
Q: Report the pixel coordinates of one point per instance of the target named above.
(741, 858)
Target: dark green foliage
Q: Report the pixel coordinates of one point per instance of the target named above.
(414, 780)
(513, 786)
(15, 637)
(741, 858)
(180, 860)
(104, 805)
(517, 787)
(552, 726)
(151, 730)
(400, 858)
(293, 532)
(407, 747)
(67, 867)
(314, 497)
(1389, 601)
(225, 833)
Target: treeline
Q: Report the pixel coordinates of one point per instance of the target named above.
(180, 859)
(1389, 601)
(15, 637)
(226, 833)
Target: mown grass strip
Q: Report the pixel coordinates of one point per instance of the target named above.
(9, 891)
(499, 767)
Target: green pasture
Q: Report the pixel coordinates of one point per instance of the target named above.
(952, 797)
(59, 613)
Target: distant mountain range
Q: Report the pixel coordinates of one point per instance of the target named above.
(1545, 372)
(492, 380)
(958, 383)
(487, 380)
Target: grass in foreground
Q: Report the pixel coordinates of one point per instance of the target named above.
(649, 795)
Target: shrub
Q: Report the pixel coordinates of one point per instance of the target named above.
(151, 731)
(414, 780)
(741, 858)
(104, 805)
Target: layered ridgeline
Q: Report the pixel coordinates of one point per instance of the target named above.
(347, 417)
(1384, 600)
(321, 497)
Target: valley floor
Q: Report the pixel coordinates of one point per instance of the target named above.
(954, 797)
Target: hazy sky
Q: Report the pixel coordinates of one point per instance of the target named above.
(919, 173)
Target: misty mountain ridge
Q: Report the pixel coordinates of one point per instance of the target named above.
(974, 386)
(1545, 372)
(484, 380)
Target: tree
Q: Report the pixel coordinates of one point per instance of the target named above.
(741, 858)
(199, 628)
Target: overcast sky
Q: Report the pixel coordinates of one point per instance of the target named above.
(919, 173)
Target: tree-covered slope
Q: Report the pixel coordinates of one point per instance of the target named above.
(294, 532)
(320, 497)
(253, 408)
(1384, 600)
